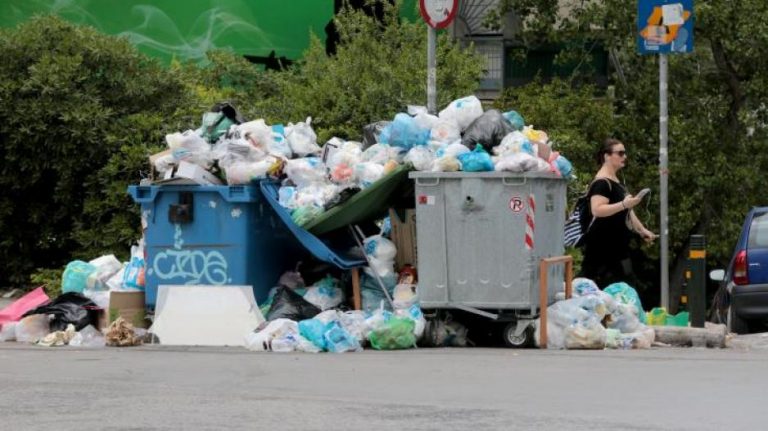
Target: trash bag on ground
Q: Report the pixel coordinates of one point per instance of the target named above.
(261, 339)
(58, 338)
(396, 333)
(624, 319)
(477, 160)
(75, 277)
(314, 331)
(355, 323)
(287, 304)
(414, 313)
(625, 294)
(339, 340)
(67, 308)
(584, 287)
(88, 337)
(325, 294)
(489, 130)
(8, 331)
(463, 111)
(444, 333)
(31, 329)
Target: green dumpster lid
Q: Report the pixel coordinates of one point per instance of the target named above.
(365, 205)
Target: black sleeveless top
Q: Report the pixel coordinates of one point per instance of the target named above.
(608, 238)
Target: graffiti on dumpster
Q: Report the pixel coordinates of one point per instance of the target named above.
(192, 266)
(195, 266)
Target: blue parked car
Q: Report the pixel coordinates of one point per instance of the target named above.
(746, 278)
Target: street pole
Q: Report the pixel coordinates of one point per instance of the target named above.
(431, 70)
(664, 177)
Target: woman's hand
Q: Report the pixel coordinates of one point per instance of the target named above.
(631, 201)
(647, 235)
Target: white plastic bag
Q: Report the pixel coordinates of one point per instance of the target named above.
(380, 154)
(367, 173)
(381, 254)
(278, 328)
(244, 172)
(518, 162)
(445, 131)
(106, 267)
(306, 171)
(190, 147)
(421, 157)
(32, 328)
(302, 139)
(8, 332)
(425, 120)
(463, 111)
(88, 337)
(446, 164)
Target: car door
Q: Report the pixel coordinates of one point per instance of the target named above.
(757, 249)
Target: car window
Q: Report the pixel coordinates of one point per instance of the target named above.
(758, 232)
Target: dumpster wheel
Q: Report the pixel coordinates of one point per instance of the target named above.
(513, 338)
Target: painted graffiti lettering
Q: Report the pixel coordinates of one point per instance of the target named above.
(193, 266)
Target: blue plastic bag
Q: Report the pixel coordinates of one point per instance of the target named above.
(314, 331)
(75, 275)
(403, 132)
(563, 166)
(627, 295)
(477, 160)
(515, 119)
(339, 340)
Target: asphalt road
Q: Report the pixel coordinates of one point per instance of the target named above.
(162, 388)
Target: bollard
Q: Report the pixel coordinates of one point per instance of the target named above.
(697, 281)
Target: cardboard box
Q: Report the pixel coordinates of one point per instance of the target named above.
(189, 173)
(126, 304)
(404, 237)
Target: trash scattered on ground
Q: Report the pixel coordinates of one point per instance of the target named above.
(58, 338)
(122, 334)
(88, 337)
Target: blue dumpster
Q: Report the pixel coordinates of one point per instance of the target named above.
(212, 235)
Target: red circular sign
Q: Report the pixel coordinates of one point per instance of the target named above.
(438, 14)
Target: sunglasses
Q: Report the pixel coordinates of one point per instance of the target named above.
(621, 153)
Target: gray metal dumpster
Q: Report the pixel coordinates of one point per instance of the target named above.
(480, 237)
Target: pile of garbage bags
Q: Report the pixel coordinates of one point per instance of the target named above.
(462, 137)
(596, 319)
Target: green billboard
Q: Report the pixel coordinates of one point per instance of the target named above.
(173, 29)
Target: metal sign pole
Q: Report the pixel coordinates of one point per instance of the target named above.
(431, 70)
(664, 177)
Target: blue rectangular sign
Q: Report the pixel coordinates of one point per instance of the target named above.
(664, 26)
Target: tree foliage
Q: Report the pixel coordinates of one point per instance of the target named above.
(81, 111)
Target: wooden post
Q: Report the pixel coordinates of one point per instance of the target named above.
(544, 294)
(356, 299)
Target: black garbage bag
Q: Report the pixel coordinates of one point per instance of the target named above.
(372, 131)
(70, 307)
(488, 129)
(287, 304)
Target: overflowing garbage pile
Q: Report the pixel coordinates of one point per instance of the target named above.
(312, 318)
(596, 319)
(462, 137)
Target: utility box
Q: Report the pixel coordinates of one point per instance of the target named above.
(212, 235)
(482, 235)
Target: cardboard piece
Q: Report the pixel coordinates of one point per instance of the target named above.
(404, 237)
(189, 173)
(127, 304)
(205, 315)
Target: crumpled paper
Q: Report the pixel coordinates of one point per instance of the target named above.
(122, 334)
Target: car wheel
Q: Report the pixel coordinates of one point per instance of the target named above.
(736, 324)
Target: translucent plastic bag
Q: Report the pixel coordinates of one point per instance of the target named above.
(339, 340)
(446, 164)
(88, 337)
(278, 328)
(380, 154)
(477, 160)
(421, 158)
(584, 287)
(519, 162)
(244, 172)
(306, 213)
(404, 132)
(302, 139)
(513, 143)
(306, 171)
(314, 331)
(106, 266)
(463, 111)
(515, 120)
(445, 131)
(394, 334)
(190, 147)
(325, 294)
(625, 294)
(75, 276)
(367, 173)
(562, 165)
(32, 329)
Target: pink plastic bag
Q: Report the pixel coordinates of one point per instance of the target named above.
(31, 300)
